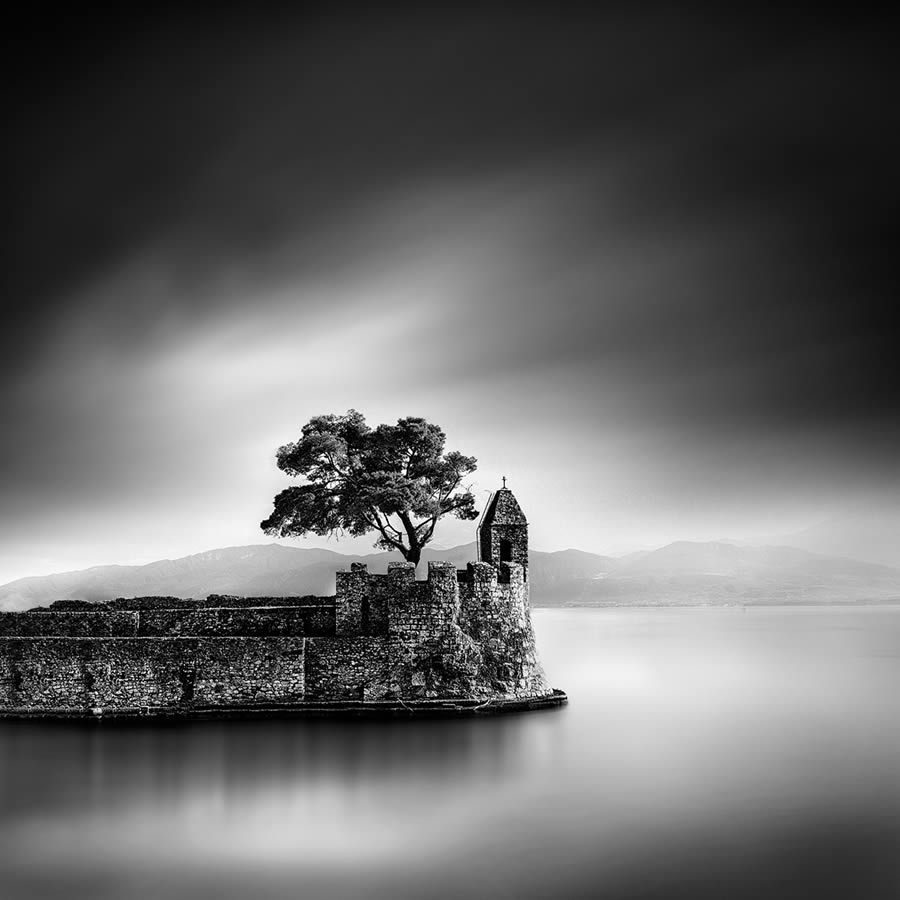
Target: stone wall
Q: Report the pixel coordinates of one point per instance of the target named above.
(353, 668)
(516, 539)
(130, 673)
(457, 635)
(107, 621)
(495, 611)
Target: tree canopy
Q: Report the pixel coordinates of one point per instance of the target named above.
(395, 480)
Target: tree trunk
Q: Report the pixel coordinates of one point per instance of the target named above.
(414, 553)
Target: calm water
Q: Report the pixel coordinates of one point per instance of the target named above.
(704, 753)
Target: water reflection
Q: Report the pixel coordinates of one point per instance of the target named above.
(705, 753)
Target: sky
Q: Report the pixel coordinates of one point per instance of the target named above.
(639, 263)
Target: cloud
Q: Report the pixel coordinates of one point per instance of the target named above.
(628, 258)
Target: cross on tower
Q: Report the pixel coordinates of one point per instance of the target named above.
(503, 532)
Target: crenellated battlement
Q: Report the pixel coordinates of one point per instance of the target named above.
(458, 635)
(373, 603)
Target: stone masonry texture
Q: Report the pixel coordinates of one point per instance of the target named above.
(503, 532)
(456, 636)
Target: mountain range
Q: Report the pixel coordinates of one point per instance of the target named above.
(869, 534)
(679, 574)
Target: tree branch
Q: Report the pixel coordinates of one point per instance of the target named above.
(378, 526)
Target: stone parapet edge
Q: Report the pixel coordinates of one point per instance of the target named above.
(390, 709)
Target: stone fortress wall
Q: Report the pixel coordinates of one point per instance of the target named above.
(458, 636)
(382, 637)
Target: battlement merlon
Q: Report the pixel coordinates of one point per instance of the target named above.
(395, 603)
(351, 600)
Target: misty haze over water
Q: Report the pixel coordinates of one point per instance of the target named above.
(705, 753)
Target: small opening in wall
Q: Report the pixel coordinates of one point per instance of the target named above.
(186, 681)
(505, 551)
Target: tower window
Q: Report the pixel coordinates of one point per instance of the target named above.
(505, 551)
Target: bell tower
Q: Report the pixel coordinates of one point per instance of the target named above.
(503, 531)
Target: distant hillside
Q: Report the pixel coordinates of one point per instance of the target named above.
(720, 573)
(255, 570)
(683, 573)
(868, 535)
(559, 578)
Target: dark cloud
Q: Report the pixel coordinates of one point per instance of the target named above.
(678, 218)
